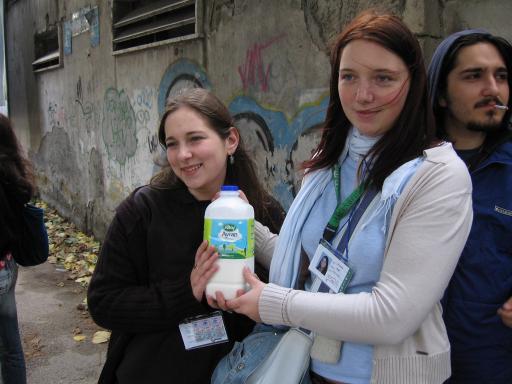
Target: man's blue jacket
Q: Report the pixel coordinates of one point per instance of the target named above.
(481, 344)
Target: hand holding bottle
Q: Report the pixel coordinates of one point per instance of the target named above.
(204, 268)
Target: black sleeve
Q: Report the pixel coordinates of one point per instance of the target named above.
(120, 297)
(10, 222)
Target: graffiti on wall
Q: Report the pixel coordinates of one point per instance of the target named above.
(144, 97)
(143, 102)
(56, 115)
(82, 115)
(87, 115)
(180, 75)
(277, 143)
(119, 126)
(253, 72)
(142, 107)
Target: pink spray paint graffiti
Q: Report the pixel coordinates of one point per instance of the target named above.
(253, 71)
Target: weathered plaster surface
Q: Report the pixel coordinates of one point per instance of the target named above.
(90, 126)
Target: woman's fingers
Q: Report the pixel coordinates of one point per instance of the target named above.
(206, 264)
(204, 259)
(202, 248)
(209, 268)
(198, 281)
(247, 302)
(221, 301)
(250, 277)
(202, 273)
(217, 302)
(211, 302)
(204, 268)
(199, 252)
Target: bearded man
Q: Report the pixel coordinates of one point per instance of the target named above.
(470, 86)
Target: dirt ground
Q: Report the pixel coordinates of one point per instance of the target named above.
(49, 316)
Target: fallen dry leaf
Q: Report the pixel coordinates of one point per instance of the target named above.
(69, 247)
(79, 338)
(101, 337)
(84, 280)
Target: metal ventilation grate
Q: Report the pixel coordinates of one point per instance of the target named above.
(140, 24)
(47, 50)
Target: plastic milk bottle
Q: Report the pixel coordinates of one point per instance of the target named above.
(229, 227)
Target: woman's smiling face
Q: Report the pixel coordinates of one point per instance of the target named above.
(373, 86)
(196, 152)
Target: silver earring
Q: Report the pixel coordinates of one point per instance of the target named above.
(231, 159)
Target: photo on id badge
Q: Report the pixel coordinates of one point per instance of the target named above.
(330, 269)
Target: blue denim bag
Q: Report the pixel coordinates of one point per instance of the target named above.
(245, 356)
(248, 355)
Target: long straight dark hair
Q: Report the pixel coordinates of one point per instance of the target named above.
(15, 170)
(16, 185)
(242, 172)
(412, 132)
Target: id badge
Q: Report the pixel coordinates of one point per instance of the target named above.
(330, 268)
(203, 331)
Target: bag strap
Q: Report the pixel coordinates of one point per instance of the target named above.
(358, 213)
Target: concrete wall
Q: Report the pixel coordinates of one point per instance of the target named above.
(90, 126)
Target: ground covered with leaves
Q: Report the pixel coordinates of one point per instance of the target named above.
(76, 253)
(70, 248)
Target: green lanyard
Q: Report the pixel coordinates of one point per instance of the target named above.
(343, 207)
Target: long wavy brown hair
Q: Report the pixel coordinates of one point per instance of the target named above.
(241, 173)
(413, 131)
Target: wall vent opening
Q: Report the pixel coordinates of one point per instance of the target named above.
(144, 23)
(47, 50)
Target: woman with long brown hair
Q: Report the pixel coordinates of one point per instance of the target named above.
(388, 204)
(16, 189)
(149, 279)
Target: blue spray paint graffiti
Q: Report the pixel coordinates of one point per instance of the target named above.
(277, 154)
(283, 133)
(181, 74)
(276, 143)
